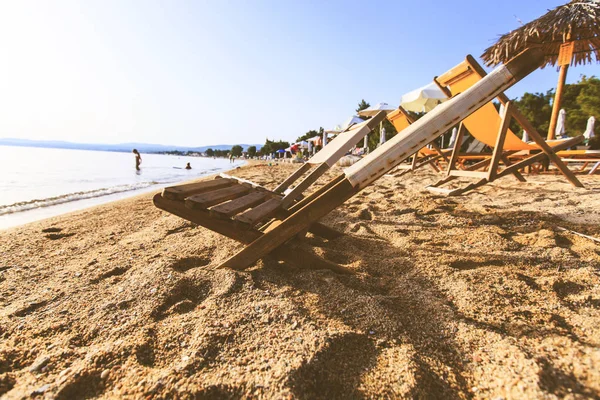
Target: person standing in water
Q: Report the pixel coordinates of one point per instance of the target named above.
(188, 166)
(138, 159)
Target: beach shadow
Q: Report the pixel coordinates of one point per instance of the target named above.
(334, 372)
(374, 303)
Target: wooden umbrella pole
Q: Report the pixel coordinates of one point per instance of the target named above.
(562, 77)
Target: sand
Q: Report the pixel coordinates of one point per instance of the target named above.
(478, 296)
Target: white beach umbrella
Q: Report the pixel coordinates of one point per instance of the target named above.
(560, 124)
(525, 136)
(353, 120)
(423, 99)
(373, 110)
(324, 139)
(453, 137)
(382, 136)
(589, 129)
(369, 112)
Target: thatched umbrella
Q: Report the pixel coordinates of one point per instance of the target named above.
(568, 35)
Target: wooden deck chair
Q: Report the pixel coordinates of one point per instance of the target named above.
(491, 128)
(401, 119)
(241, 209)
(584, 157)
(278, 237)
(318, 164)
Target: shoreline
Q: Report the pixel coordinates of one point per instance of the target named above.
(478, 296)
(20, 218)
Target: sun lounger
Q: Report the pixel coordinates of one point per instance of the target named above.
(584, 157)
(277, 237)
(491, 128)
(425, 156)
(325, 159)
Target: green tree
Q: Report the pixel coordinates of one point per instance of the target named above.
(271, 146)
(362, 105)
(251, 151)
(309, 134)
(237, 150)
(589, 101)
(537, 109)
(210, 152)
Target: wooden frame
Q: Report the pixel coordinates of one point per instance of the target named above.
(501, 155)
(277, 238)
(465, 75)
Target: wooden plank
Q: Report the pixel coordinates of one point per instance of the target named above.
(517, 174)
(439, 151)
(260, 212)
(442, 118)
(550, 152)
(499, 147)
(289, 254)
(304, 184)
(208, 199)
(293, 225)
(238, 205)
(316, 194)
(538, 157)
(180, 192)
(456, 148)
(202, 217)
(467, 173)
(292, 178)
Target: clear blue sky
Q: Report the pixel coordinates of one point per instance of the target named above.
(211, 72)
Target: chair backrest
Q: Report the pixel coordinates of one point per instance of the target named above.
(342, 143)
(400, 119)
(485, 122)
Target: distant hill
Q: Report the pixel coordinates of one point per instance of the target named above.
(121, 147)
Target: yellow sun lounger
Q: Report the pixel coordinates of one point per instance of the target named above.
(491, 128)
(279, 234)
(425, 156)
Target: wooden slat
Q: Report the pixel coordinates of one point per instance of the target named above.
(517, 174)
(292, 178)
(293, 225)
(550, 152)
(500, 139)
(238, 205)
(260, 212)
(208, 199)
(289, 253)
(475, 174)
(456, 148)
(539, 156)
(295, 193)
(180, 192)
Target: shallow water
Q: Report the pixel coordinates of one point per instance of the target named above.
(37, 183)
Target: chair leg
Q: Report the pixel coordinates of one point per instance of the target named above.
(549, 151)
(292, 225)
(226, 228)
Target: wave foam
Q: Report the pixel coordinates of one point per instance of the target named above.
(66, 198)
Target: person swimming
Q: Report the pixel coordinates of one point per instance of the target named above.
(138, 159)
(188, 166)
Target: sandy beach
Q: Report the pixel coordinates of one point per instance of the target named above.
(477, 296)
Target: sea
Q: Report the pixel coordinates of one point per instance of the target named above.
(37, 183)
